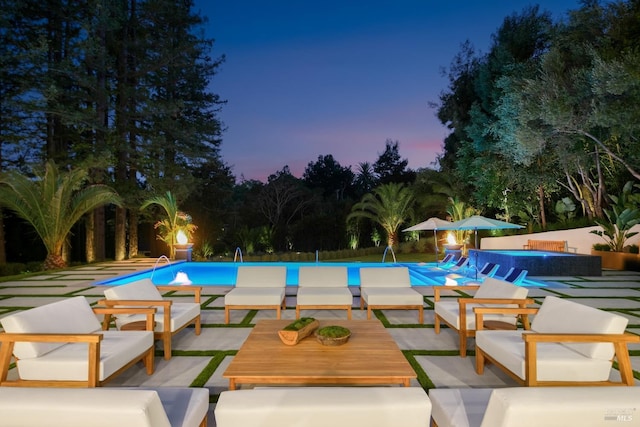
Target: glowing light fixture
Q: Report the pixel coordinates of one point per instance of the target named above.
(451, 239)
(181, 237)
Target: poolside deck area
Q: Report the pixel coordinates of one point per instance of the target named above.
(199, 361)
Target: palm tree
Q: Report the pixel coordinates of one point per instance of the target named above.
(175, 221)
(53, 202)
(389, 205)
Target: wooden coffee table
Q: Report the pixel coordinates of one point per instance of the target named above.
(370, 357)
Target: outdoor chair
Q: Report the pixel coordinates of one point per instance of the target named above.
(257, 288)
(321, 287)
(458, 266)
(171, 317)
(389, 288)
(62, 344)
(568, 344)
(515, 275)
(458, 313)
(489, 269)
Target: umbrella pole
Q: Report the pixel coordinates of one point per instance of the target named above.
(435, 241)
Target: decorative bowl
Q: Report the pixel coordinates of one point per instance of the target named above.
(332, 335)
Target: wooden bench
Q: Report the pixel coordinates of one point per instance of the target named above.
(546, 245)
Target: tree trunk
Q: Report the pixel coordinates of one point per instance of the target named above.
(133, 233)
(3, 250)
(121, 232)
(543, 215)
(100, 230)
(90, 237)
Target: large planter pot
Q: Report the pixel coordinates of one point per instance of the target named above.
(618, 260)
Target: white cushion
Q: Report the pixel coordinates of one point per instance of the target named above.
(185, 407)
(143, 289)
(450, 312)
(69, 407)
(254, 277)
(385, 277)
(181, 314)
(459, 407)
(324, 296)
(495, 288)
(322, 276)
(70, 361)
(535, 406)
(68, 316)
(557, 315)
(555, 362)
(324, 406)
(391, 296)
(563, 407)
(254, 296)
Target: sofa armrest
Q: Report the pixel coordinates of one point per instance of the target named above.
(438, 289)
(619, 341)
(522, 312)
(110, 311)
(8, 341)
(195, 290)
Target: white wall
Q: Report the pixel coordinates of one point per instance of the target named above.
(580, 238)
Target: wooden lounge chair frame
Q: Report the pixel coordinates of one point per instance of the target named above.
(620, 343)
(166, 334)
(8, 341)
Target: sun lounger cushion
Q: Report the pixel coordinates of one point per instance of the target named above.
(103, 407)
(324, 406)
(69, 316)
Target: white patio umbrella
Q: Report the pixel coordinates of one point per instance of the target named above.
(478, 222)
(432, 223)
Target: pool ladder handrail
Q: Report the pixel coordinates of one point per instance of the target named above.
(235, 255)
(384, 255)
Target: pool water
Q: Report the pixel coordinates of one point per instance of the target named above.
(224, 273)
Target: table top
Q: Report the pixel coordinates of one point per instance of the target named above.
(371, 356)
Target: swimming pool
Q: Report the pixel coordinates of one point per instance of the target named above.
(224, 273)
(540, 263)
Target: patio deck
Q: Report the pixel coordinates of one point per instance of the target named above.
(200, 360)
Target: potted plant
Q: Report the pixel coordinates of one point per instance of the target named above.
(616, 230)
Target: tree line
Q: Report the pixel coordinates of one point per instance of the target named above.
(126, 90)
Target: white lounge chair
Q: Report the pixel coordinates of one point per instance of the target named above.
(171, 317)
(323, 287)
(257, 288)
(458, 313)
(569, 344)
(62, 344)
(389, 288)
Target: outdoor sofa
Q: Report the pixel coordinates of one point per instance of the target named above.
(323, 287)
(104, 407)
(384, 288)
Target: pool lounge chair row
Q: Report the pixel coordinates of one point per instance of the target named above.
(323, 287)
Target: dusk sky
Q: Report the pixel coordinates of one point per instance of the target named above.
(308, 78)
